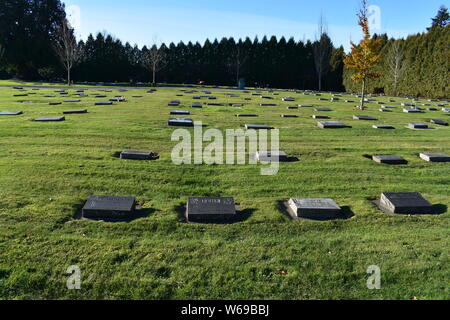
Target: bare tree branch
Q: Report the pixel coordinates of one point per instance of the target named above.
(155, 60)
(395, 64)
(322, 50)
(238, 60)
(67, 48)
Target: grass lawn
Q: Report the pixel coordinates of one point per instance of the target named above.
(48, 170)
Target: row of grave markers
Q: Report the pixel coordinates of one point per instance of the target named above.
(225, 210)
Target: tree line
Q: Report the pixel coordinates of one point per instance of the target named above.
(38, 44)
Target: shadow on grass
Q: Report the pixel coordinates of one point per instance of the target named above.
(241, 215)
(283, 207)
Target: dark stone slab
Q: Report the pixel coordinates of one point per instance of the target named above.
(289, 116)
(322, 109)
(432, 109)
(198, 106)
(10, 113)
(268, 104)
(331, 125)
(50, 119)
(289, 99)
(107, 207)
(180, 112)
(292, 108)
(439, 122)
(72, 101)
(305, 105)
(117, 100)
(20, 95)
(54, 103)
(389, 159)
(258, 127)
(404, 203)
(446, 109)
(383, 126)
(244, 115)
(435, 157)
(320, 117)
(358, 117)
(412, 110)
(389, 107)
(75, 111)
(137, 155)
(271, 156)
(314, 208)
(418, 125)
(210, 209)
(181, 122)
(100, 96)
(103, 103)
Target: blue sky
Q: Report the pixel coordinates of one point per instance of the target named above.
(140, 21)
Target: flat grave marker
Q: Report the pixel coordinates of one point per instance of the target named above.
(313, 208)
(210, 210)
(180, 112)
(177, 122)
(417, 125)
(258, 127)
(369, 118)
(10, 113)
(50, 119)
(404, 203)
(383, 126)
(435, 157)
(331, 125)
(389, 159)
(108, 207)
(439, 122)
(137, 155)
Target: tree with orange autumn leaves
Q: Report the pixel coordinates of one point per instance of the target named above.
(363, 57)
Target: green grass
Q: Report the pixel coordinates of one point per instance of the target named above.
(48, 170)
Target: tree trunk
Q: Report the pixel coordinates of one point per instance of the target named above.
(363, 93)
(68, 77)
(154, 76)
(320, 82)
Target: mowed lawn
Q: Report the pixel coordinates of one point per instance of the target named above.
(48, 171)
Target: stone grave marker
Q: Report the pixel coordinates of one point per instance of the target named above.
(75, 111)
(404, 203)
(109, 207)
(258, 127)
(137, 155)
(439, 122)
(180, 112)
(383, 126)
(50, 119)
(10, 113)
(389, 159)
(418, 125)
(210, 209)
(435, 157)
(181, 122)
(369, 118)
(331, 125)
(314, 208)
